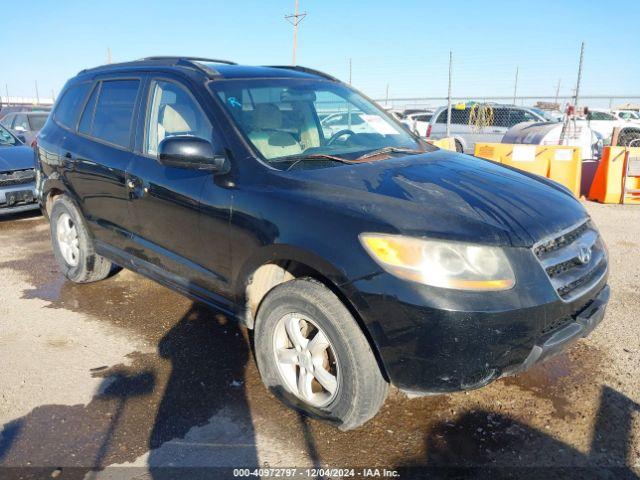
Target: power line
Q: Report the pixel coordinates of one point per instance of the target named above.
(295, 19)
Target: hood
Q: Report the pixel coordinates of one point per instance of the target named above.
(450, 196)
(16, 158)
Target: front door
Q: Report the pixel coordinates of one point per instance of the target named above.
(165, 201)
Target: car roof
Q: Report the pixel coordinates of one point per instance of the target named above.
(211, 68)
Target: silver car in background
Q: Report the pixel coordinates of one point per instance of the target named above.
(480, 122)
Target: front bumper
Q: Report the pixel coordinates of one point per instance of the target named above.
(581, 326)
(437, 341)
(18, 198)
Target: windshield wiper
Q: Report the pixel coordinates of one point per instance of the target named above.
(312, 156)
(383, 150)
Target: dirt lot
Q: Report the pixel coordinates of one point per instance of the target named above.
(125, 373)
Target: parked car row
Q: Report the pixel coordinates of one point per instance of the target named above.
(466, 133)
(17, 175)
(25, 125)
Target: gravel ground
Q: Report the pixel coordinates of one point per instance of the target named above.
(124, 375)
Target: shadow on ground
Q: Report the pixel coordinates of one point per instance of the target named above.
(196, 377)
(484, 444)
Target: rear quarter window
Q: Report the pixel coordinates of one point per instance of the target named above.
(68, 109)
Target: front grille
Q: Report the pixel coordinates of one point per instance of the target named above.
(553, 324)
(18, 177)
(575, 260)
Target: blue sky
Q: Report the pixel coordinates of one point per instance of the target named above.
(404, 44)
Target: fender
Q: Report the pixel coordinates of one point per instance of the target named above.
(280, 253)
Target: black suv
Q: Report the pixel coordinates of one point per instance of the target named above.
(361, 257)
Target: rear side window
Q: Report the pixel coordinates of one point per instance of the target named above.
(70, 104)
(114, 111)
(458, 116)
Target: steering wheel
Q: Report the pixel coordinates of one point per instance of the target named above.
(339, 134)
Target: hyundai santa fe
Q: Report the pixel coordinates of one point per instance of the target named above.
(361, 258)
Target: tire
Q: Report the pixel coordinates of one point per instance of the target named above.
(459, 148)
(82, 264)
(360, 388)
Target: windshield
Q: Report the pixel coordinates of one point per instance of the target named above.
(544, 114)
(287, 120)
(6, 139)
(36, 122)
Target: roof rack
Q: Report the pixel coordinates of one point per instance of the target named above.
(193, 62)
(306, 70)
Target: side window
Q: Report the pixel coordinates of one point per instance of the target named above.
(68, 109)
(460, 116)
(86, 120)
(599, 116)
(502, 117)
(21, 123)
(114, 111)
(7, 121)
(173, 111)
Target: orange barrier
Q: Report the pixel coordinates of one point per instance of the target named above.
(495, 152)
(616, 179)
(565, 166)
(447, 143)
(557, 162)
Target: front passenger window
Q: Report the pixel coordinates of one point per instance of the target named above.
(173, 112)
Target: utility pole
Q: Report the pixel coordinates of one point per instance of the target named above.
(53, 96)
(108, 55)
(515, 86)
(386, 101)
(448, 132)
(37, 94)
(295, 20)
(577, 96)
(6, 91)
(558, 90)
(350, 70)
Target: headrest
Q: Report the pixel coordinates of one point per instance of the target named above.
(267, 116)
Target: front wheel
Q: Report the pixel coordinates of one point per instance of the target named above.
(313, 355)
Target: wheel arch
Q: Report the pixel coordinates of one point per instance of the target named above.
(279, 265)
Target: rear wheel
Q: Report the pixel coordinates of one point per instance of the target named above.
(73, 246)
(459, 148)
(312, 355)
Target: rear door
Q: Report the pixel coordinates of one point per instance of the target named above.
(165, 201)
(99, 155)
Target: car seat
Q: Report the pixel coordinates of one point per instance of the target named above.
(267, 136)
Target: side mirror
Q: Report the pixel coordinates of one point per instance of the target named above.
(194, 153)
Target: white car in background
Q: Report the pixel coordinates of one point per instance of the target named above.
(418, 122)
(603, 122)
(336, 122)
(627, 115)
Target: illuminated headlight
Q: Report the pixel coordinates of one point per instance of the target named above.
(456, 265)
